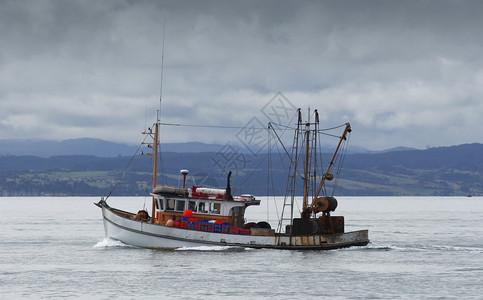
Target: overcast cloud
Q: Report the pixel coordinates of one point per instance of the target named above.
(404, 73)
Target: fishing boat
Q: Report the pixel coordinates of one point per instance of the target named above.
(205, 216)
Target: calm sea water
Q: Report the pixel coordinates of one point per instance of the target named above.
(421, 248)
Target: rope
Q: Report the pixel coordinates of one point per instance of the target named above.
(339, 166)
(124, 171)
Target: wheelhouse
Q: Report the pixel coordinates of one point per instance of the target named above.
(204, 203)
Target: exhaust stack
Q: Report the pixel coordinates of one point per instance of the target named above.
(228, 195)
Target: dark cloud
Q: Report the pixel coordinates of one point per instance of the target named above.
(403, 72)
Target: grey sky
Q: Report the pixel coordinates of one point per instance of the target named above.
(404, 73)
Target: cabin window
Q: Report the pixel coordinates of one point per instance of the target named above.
(170, 204)
(192, 206)
(160, 204)
(180, 205)
(203, 207)
(156, 204)
(215, 208)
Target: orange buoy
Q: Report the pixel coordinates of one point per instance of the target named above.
(187, 213)
(170, 223)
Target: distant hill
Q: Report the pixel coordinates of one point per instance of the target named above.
(443, 171)
(102, 148)
(84, 146)
(395, 149)
(89, 146)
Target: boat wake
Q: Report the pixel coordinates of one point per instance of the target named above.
(213, 248)
(420, 248)
(109, 243)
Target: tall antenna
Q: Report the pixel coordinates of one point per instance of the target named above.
(162, 69)
(146, 118)
(158, 114)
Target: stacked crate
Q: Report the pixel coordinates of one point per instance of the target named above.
(184, 222)
(218, 226)
(225, 227)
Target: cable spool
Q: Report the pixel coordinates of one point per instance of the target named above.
(321, 204)
(325, 204)
(333, 204)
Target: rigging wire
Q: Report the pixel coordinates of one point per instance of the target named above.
(321, 157)
(270, 176)
(280, 164)
(254, 169)
(341, 163)
(286, 127)
(332, 128)
(260, 163)
(207, 126)
(124, 171)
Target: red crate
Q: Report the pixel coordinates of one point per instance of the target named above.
(245, 231)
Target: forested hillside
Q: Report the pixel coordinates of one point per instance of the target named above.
(455, 170)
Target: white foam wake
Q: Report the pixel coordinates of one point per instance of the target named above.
(211, 248)
(108, 242)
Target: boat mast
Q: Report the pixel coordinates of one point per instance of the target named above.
(314, 147)
(156, 130)
(155, 164)
(306, 164)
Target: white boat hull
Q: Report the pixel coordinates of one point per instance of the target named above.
(142, 234)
